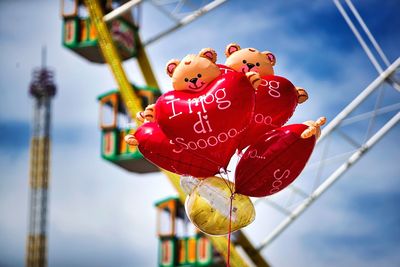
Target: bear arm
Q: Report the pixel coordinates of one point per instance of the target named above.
(149, 113)
(254, 79)
(302, 95)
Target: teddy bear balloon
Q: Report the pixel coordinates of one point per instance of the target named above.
(215, 109)
(276, 97)
(197, 127)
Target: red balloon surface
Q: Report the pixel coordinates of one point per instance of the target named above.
(276, 101)
(208, 124)
(159, 149)
(274, 161)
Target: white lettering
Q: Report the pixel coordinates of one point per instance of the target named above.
(194, 147)
(268, 120)
(196, 102)
(260, 119)
(207, 96)
(220, 137)
(198, 127)
(200, 102)
(213, 138)
(286, 173)
(276, 184)
(202, 143)
(232, 132)
(173, 108)
(253, 153)
(180, 141)
(222, 104)
(273, 87)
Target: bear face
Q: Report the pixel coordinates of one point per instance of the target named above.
(194, 72)
(249, 59)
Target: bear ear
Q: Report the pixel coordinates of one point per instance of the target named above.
(171, 65)
(209, 54)
(270, 57)
(231, 48)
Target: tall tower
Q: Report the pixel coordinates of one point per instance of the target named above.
(42, 88)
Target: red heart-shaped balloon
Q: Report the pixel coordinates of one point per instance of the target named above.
(274, 161)
(209, 123)
(157, 148)
(276, 101)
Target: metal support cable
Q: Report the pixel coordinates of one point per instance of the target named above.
(369, 114)
(377, 105)
(321, 165)
(158, 5)
(359, 99)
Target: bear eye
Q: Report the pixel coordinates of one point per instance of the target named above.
(244, 61)
(199, 75)
(258, 64)
(186, 79)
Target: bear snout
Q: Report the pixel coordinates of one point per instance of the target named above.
(250, 66)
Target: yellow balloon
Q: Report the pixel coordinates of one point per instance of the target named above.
(208, 207)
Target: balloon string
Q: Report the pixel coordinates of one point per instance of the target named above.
(229, 184)
(240, 155)
(229, 231)
(226, 181)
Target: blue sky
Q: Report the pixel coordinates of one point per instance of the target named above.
(101, 215)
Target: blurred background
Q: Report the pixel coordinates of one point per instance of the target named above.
(102, 215)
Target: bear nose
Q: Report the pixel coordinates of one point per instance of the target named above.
(193, 80)
(250, 66)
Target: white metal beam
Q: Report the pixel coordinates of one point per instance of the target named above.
(358, 36)
(186, 20)
(329, 182)
(362, 41)
(368, 32)
(121, 10)
(341, 119)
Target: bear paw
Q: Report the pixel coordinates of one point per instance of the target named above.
(148, 115)
(254, 78)
(302, 95)
(131, 140)
(314, 128)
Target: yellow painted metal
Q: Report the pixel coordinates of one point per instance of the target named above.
(250, 250)
(112, 57)
(36, 247)
(39, 158)
(145, 66)
(133, 105)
